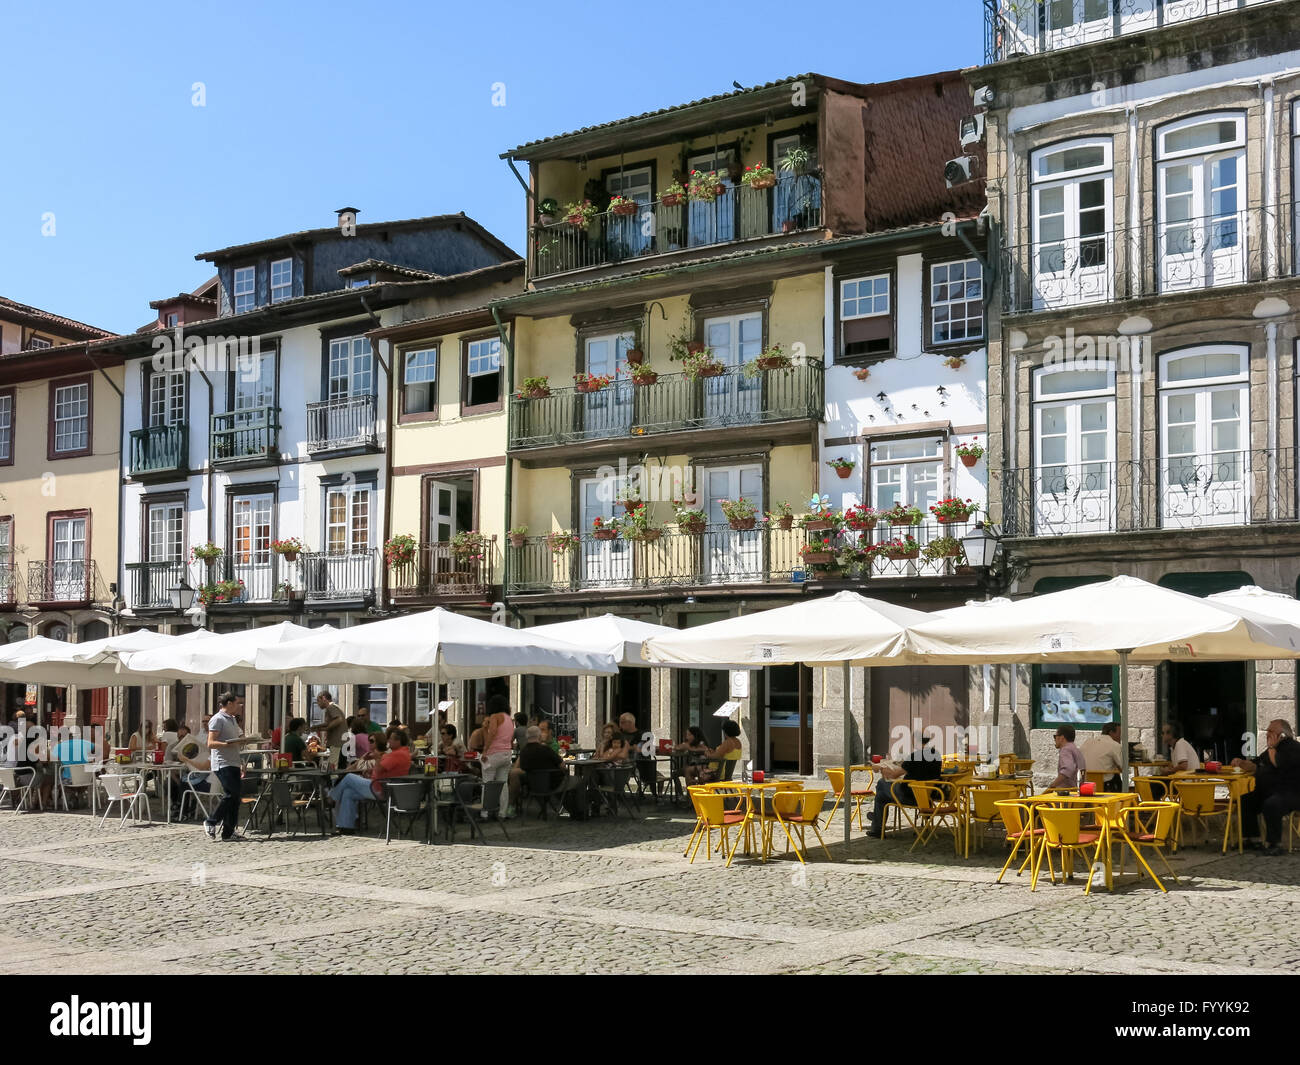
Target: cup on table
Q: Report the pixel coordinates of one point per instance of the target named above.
(758, 776)
(1087, 788)
(875, 758)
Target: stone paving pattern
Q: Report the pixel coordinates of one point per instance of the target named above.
(604, 896)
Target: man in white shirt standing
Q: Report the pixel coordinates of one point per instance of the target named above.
(1101, 754)
(1182, 755)
(225, 737)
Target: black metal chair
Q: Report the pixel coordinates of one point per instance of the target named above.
(403, 799)
(546, 788)
(488, 804)
(615, 788)
(452, 794)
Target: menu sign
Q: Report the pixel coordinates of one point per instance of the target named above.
(1076, 703)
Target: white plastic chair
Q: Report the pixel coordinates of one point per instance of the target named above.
(125, 789)
(214, 793)
(79, 776)
(10, 783)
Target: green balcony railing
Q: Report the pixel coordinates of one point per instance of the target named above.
(245, 436)
(159, 449)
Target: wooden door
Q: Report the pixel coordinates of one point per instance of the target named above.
(902, 696)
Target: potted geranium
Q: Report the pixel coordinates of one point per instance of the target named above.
(208, 553)
(953, 510)
(534, 388)
(782, 517)
(759, 176)
(705, 186)
(219, 592)
(580, 214)
(630, 501)
(469, 544)
(900, 548)
(604, 528)
(547, 210)
(586, 382)
(623, 205)
(774, 358)
(862, 373)
(741, 514)
(518, 535)
(843, 467)
(942, 547)
(559, 542)
(899, 514)
(674, 195)
(970, 453)
(289, 548)
(642, 375)
(860, 518)
(635, 355)
(819, 551)
(700, 364)
(635, 525)
(955, 362)
(690, 520)
(399, 550)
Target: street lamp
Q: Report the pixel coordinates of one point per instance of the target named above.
(182, 596)
(981, 546)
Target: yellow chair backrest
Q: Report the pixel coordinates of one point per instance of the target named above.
(836, 778)
(985, 801)
(1016, 816)
(926, 795)
(1196, 796)
(1155, 819)
(1097, 776)
(811, 803)
(1061, 826)
(1144, 786)
(709, 807)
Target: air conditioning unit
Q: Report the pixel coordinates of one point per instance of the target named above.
(961, 170)
(971, 130)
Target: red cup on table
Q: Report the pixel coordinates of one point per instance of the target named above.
(875, 758)
(758, 776)
(1087, 788)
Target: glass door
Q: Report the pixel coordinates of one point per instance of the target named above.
(1074, 466)
(629, 235)
(1203, 473)
(712, 223)
(733, 398)
(251, 543)
(732, 555)
(254, 388)
(609, 411)
(605, 563)
(69, 569)
(797, 198)
(1072, 242)
(1202, 235)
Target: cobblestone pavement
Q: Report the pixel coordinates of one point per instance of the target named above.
(604, 896)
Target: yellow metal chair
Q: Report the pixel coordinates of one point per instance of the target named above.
(1018, 819)
(1146, 789)
(1063, 833)
(1197, 802)
(858, 796)
(799, 809)
(936, 809)
(711, 813)
(983, 810)
(1150, 825)
(1097, 777)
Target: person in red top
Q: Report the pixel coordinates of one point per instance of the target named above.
(348, 793)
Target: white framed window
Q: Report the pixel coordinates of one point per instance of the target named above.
(351, 368)
(609, 411)
(866, 318)
(908, 471)
(482, 372)
(734, 339)
(281, 280)
(7, 426)
(419, 380)
(1074, 449)
(173, 319)
(863, 297)
(1073, 242)
(166, 399)
(245, 289)
(38, 344)
(1201, 187)
(630, 232)
(348, 519)
(251, 529)
(72, 417)
(166, 532)
(956, 301)
(68, 554)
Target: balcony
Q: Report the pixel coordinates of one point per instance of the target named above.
(1197, 254)
(149, 584)
(1223, 489)
(11, 585)
(437, 573)
(675, 403)
(1017, 28)
(739, 214)
(719, 556)
(256, 580)
(159, 451)
(344, 424)
(246, 437)
(63, 583)
(337, 580)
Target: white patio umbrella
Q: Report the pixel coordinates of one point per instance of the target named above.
(227, 657)
(1111, 622)
(436, 646)
(620, 637)
(93, 664)
(845, 630)
(1276, 605)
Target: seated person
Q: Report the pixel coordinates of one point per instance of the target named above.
(294, 744)
(366, 783)
(1069, 767)
(182, 731)
(923, 764)
(168, 736)
(476, 737)
(1277, 788)
(606, 742)
(548, 735)
(696, 750)
(1101, 754)
(536, 755)
(450, 746)
(136, 746)
(631, 734)
(362, 739)
(726, 751)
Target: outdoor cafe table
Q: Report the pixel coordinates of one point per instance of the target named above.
(319, 779)
(753, 810)
(1237, 784)
(145, 770)
(1108, 804)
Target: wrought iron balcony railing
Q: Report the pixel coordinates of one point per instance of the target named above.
(11, 585)
(1225, 488)
(437, 571)
(675, 402)
(62, 581)
(256, 577)
(149, 584)
(1231, 248)
(721, 555)
(329, 577)
(656, 228)
(159, 449)
(246, 437)
(335, 424)
(1015, 28)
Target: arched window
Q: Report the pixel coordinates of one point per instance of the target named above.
(1073, 245)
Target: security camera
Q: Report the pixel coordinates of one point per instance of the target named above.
(984, 96)
(959, 171)
(971, 130)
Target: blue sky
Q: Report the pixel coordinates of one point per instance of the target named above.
(387, 107)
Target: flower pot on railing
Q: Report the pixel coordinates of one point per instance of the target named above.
(819, 558)
(536, 393)
(742, 524)
(587, 387)
(817, 525)
(969, 460)
(624, 209)
(955, 517)
(647, 535)
(692, 528)
(634, 356)
(517, 541)
(843, 472)
(710, 371)
(773, 362)
(644, 380)
(604, 534)
(768, 182)
(900, 554)
(785, 521)
(673, 199)
(289, 556)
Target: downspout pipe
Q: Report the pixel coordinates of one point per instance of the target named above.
(507, 341)
(388, 456)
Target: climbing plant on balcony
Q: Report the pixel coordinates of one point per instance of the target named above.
(399, 550)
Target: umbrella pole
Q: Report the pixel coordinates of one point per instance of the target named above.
(1123, 718)
(846, 679)
(995, 741)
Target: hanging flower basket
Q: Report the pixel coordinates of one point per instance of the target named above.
(646, 535)
(634, 356)
(621, 205)
(604, 534)
(586, 383)
(694, 347)
(742, 524)
(692, 527)
(860, 518)
(559, 542)
(900, 550)
(862, 373)
(970, 453)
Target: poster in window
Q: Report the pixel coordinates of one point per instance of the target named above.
(1076, 695)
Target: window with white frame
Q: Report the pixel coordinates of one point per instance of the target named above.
(351, 368)
(72, 417)
(245, 289)
(1072, 223)
(482, 372)
(347, 519)
(419, 381)
(1201, 187)
(250, 528)
(7, 426)
(166, 399)
(956, 302)
(866, 316)
(1074, 448)
(281, 280)
(173, 319)
(907, 472)
(38, 344)
(6, 559)
(165, 531)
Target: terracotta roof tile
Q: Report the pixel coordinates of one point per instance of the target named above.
(55, 322)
